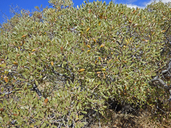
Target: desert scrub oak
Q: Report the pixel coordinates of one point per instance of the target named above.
(59, 63)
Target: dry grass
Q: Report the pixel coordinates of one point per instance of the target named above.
(117, 120)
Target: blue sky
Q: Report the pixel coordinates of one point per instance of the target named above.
(30, 4)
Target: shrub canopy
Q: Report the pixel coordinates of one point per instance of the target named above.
(75, 60)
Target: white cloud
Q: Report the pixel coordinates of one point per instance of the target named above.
(124, 1)
(164, 1)
(128, 2)
(133, 6)
(145, 4)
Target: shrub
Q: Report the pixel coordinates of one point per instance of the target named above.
(61, 63)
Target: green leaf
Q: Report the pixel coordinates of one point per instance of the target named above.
(84, 112)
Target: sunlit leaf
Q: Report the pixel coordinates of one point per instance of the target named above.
(99, 23)
(163, 31)
(15, 63)
(103, 69)
(87, 29)
(89, 46)
(24, 36)
(76, 117)
(3, 65)
(45, 101)
(102, 45)
(81, 70)
(6, 79)
(33, 50)
(52, 63)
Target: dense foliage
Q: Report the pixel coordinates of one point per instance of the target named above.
(60, 65)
